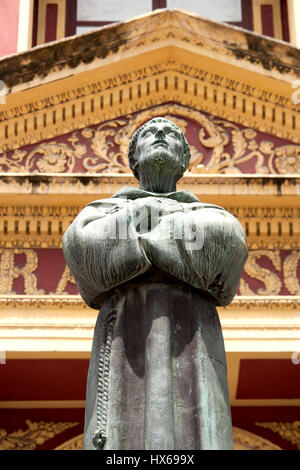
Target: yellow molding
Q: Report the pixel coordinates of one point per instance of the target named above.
(65, 325)
(34, 404)
(47, 355)
(75, 303)
(104, 184)
(259, 100)
(266, 402)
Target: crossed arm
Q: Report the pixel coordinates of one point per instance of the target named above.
(112, 241)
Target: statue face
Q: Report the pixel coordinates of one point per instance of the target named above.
(159, 144)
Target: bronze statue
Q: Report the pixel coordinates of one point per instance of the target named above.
(156, 261)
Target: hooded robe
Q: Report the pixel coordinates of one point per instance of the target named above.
(157, 265)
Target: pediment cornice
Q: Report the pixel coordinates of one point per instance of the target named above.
(245, 48)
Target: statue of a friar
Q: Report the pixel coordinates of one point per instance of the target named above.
(156, 262)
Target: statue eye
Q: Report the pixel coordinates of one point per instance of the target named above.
(147, 132)
(173, 134)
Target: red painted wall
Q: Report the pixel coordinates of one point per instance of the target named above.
(9, 17)
(51, 266)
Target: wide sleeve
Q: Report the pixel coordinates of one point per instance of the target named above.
(200, 244)
(102, 250)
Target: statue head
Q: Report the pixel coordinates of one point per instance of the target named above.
(158, 154)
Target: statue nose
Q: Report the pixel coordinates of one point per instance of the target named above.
(159, 133)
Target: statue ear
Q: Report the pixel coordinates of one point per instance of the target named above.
(135, 170)
(183, 169)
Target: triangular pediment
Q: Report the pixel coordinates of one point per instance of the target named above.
(163, 57)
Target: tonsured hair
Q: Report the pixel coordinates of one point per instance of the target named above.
(133, 141)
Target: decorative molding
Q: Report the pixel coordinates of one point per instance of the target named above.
(43, 301)
(287, 302)
(48, 120)
(288, 431)
(43, 324)
(42, 226)
(280, 302)
(105, 184)
(259, 212)
(274, 242)
(110, 140)
(36, 435)
(43, 240)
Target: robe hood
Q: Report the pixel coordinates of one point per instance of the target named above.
(128, 192)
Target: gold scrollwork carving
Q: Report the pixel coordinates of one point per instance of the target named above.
(245, 440)
(286, 159)
(66, 277)
(109, 143)
(36, 434)
(51, 157)
(271, 280)
(120, 131)
(76, 443)
(288, 431)
(75, 302)
(9, 272)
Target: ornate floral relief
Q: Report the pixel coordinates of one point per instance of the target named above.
(51, 157)
(288, 431)
(106, 159)
(75, 302)
(245, 440)
(285, 159)
(36, 434)
(219, 147)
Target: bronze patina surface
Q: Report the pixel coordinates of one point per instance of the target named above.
(157, 262)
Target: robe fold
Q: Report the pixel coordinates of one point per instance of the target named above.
(157, 376)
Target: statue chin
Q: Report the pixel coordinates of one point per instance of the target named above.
(159, 168)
